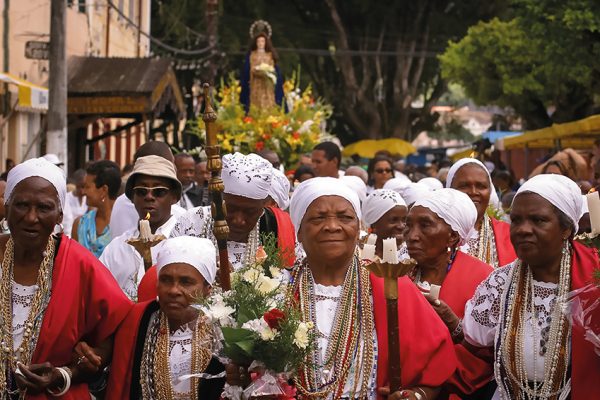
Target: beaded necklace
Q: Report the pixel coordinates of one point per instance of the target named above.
(252, 245)
(33, 323)
(350, 340)
(484, 246)
(155, 373)
(515, 310)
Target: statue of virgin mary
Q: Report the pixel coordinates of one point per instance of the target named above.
(261, 80)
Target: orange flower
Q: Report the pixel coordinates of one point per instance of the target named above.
(247, 120)
(266, 136)
(259, 146)
(296, 135)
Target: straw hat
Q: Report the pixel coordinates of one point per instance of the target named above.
(153, 166)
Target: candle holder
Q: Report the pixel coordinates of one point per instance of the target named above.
(390, 274)
(144, 246)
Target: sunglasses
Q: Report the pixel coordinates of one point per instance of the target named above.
(157, 191)
(383, 171)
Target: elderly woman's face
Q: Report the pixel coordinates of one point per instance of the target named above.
(391, 224)
(535, 230)
(428, 236)
(242, 215)
(178, 285)
(33, 211)
(329, 229)
(472, 180)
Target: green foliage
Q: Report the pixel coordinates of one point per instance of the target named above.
(543, 53)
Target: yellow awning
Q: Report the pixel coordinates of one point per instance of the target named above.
(368, 148)
(30, 94)
(577, 134)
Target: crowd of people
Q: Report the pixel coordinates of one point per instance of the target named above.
(83, 313)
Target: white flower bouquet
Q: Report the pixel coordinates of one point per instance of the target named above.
(268, 71)
(259, 325)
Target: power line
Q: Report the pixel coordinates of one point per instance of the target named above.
(157, 41)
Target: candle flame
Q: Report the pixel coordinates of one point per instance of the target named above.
(592, 190)
(147, 216)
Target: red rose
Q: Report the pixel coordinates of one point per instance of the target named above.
(273, 318)
(296, 135)
(259, 146)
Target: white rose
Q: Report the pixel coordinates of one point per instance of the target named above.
(251, 275)
(266, 284)
(260, 326)
(301, 334)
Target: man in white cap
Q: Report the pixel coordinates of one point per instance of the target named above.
(186, 270)
(247, 180)
(153, 188)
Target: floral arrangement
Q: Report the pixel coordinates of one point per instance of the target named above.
(259, 328)
(290, 133)
(268, 71)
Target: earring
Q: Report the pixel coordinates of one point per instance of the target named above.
(449, 249)
(4, 225)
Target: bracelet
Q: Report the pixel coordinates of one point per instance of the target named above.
(458, 330)
(66, 374)
(417, 390)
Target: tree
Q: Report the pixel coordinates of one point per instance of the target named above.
(542, 57)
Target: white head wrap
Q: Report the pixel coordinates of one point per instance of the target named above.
(310, 190)
(356, 184)
(247, 176)
(397, 183)
(378, 203)
(584, 205)
(494, 200)
(559, 190)
(37, 167)
(198, 253)
(431, 183)
(413, 192)
(280, 189)
(455, 208)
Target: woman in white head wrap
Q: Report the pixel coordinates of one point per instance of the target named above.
(356, 184)
(170, 331)
(492, 244)
(436, 226)
(55, 294)
(431, 182)
(384, 212)
(249, 181)
(332, 286)
(554, 356)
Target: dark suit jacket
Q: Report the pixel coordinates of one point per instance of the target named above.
(199, 196)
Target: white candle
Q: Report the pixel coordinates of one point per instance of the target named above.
(145, 231)
(593, 201)
(372, 239)
(434, 291)
(390, 251)
(368, 252)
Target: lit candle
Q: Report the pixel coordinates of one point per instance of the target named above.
(593, 201)
(434, 291)
(390, 251)
(145, 231)
(372, 239)
(368, 252)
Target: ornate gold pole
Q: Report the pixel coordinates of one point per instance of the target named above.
(216, 187)
(390, 274)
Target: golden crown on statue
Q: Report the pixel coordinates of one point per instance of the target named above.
(260, 26)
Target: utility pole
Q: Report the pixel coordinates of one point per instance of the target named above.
(56, 137)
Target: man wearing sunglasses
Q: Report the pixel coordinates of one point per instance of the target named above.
(153, 188)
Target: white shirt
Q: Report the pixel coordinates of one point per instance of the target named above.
(124, 216)
(22, 297)
(482, 317)
(73, 210)
(125, 263)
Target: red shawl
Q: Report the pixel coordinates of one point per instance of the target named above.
(286, 236)
(426, 350)
(459, 286)
(504, 247)
(86, 304)
(119, 380)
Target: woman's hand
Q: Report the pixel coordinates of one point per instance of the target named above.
(399, 395)
(445, 313)
(86, 359)
(37, 378)
(237, 375)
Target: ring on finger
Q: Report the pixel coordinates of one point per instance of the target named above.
(80, 360)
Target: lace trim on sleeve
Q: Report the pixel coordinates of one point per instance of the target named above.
(196, 222)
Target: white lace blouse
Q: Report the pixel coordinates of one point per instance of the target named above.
(180, 360)
(327, 299)
(22, 297)
(482, 314)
